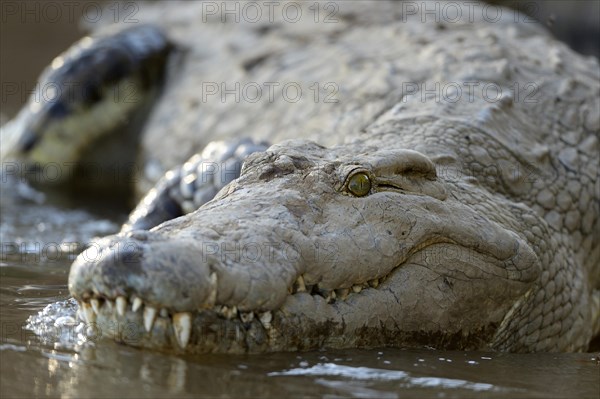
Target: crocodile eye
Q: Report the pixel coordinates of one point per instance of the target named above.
(359, 184)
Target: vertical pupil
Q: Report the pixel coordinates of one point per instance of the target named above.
(360, 184)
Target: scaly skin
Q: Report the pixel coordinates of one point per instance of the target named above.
(477, 231)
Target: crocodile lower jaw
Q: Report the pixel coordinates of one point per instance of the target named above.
(133, 309)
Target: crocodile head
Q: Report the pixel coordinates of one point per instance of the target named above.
(357, 245)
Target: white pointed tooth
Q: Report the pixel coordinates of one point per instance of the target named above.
(330, 297)
(266, 318)
(299, 285)
(374, 283)
(121, 305)
(110, 304)
(95, 305)
(149, 316)
(80, 312)
(247, 317)
(356, 288)
(212, 297)
(182, 324)
(228, 312)
(327, 296)
(342, 293)
(88, 313)
(137, 303)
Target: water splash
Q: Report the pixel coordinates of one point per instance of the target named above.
(58, 324)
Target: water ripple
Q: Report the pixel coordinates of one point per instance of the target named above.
(372, 374)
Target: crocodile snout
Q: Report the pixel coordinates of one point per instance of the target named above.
(175, 275)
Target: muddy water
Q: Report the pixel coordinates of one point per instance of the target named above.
(41, 233)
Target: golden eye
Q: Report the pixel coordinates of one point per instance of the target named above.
(359, 184)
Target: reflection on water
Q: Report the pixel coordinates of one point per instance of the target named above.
(370, 374)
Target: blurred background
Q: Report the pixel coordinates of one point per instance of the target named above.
(32, 33)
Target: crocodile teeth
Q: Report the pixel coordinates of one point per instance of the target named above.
(137, 303)
(331, 296)
(224, 310)
(342, 293)
(299, 285)
(149, 316)
(88, 313)
(228, 312)
(266, 318)
(212, 297)
(111, 304)
(356, 288)
(327, 294)
(95, 305)
(374, 283)
(121, 305)
(182, 323)
(247, 317)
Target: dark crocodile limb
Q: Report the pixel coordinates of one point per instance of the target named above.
(188, 187)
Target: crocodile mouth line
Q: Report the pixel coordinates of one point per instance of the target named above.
(182, 321)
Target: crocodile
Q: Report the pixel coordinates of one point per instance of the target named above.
(446, 196)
